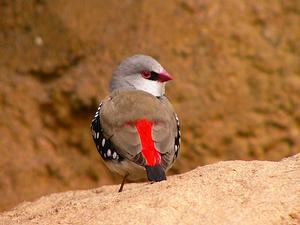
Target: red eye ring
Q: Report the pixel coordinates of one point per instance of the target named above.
(146, 74)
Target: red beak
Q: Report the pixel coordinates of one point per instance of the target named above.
(164, 76)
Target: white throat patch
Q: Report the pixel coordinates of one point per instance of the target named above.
(153, 87)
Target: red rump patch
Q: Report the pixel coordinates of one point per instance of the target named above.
(149, 151)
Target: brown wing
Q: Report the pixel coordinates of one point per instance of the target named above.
(118, 114)
(164, 134)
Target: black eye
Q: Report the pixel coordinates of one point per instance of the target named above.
(150, 75)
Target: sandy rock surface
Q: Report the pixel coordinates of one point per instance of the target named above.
(233, 192)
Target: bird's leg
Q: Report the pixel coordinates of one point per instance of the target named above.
(123, 182)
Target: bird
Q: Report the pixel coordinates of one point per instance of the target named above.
(135, 128)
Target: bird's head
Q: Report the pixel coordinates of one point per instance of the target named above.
(140, 72)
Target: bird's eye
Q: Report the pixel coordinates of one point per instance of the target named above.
(146, 74)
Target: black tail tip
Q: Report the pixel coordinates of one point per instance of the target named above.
(155, 173)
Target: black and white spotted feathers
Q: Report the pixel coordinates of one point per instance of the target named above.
(104, 146)
(177, 139)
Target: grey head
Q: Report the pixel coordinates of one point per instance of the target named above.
(140, 72)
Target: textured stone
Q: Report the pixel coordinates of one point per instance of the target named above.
(232, 192)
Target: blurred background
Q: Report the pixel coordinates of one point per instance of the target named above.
(236, 90)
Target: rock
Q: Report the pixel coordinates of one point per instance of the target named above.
(232, 192)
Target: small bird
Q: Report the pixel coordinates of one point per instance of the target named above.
(135, 128)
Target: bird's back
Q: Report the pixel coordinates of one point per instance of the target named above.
(133, 119)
